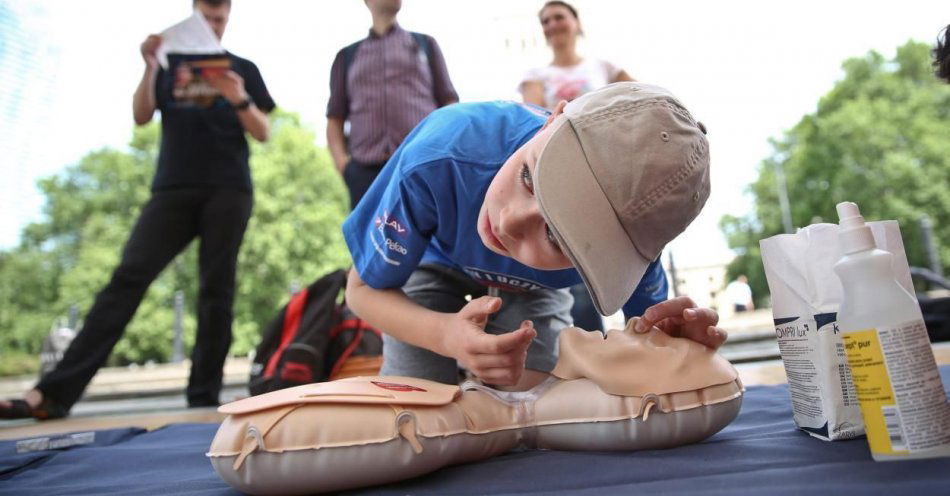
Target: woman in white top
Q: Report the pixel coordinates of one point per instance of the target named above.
(569, 75)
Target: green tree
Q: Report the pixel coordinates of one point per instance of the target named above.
(65, 259)
(878, 138)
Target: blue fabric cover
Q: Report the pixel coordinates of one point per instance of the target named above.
(760, 453)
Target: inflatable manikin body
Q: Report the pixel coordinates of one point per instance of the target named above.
(627, 391)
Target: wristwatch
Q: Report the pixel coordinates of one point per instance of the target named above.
(242, 105)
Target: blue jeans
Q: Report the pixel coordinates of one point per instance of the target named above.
(443, 290)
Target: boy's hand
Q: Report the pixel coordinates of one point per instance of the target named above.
(495, 359)
(681, 318)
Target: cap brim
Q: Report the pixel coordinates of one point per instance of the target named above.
(584, 223)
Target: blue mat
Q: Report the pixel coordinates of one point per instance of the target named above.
(760, 453)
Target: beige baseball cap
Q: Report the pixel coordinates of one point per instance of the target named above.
(625, 171)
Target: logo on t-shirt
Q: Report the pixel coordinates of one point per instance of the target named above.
(395, 246)
(388, 221)
(378, 245)
(384, 244)
(502, 281)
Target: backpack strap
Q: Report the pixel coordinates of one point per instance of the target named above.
(422, 41)
(291, 324)
(349, 54)
(347, 352)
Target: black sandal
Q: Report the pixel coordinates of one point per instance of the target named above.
(20, 409)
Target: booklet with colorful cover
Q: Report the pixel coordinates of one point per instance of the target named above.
(191, 73)
(192, 52)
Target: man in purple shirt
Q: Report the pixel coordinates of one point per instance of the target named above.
(384, 85)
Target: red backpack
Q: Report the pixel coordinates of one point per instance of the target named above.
(315, 339)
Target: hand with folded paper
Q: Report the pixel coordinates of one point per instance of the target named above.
(193, 36)
(149, 49)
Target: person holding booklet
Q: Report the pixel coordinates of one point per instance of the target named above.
(201, 189)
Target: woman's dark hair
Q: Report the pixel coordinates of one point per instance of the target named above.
(942, 55)
(559, 3)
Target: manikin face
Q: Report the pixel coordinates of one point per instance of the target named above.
(510, 221)
(559, 25)
(217, 16)
(631, 363)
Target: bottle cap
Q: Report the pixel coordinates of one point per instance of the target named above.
(853, 233)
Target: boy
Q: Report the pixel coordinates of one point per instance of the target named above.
(499, 195)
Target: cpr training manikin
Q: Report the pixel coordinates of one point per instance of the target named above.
(626, 391)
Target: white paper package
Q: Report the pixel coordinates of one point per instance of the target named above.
(806, 294)
(192, 35)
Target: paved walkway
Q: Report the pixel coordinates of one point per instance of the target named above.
(138, 381)
(152, 396)
(170, 378)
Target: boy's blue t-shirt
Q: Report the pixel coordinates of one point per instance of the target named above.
(423, 207)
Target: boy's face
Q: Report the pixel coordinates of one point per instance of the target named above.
(510, 221)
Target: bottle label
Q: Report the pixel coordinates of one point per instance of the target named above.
(797, 342)
(898, 385)
(824, 403)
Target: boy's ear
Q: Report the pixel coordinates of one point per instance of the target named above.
(558, 110)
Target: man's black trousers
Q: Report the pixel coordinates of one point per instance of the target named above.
(167, 224)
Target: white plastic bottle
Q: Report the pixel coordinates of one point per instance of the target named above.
(905, 409)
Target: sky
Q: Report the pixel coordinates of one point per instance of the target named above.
(748, 70)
